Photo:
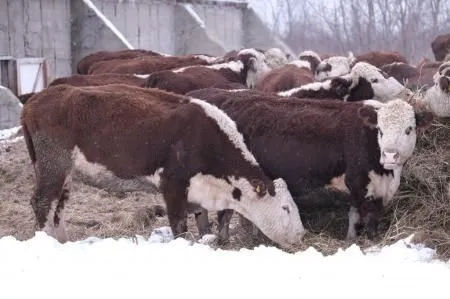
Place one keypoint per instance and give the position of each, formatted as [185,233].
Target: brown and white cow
[293,74]
[364,82]
[441,46]
[148,64]
[190,149]
[355,147]
[411,76]
[437,97]
[312,57]
[341,65]
[248,67]
[87,61]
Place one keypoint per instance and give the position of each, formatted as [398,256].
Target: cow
[275,58]
[441,46]
[437,97]
[148,65]
[191,150]
[364,82]
[86,62]
[354,147]
[413,77]
[248,67]
[293,74]
[312,57]
[341,65]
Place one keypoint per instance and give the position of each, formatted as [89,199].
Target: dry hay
[421,206]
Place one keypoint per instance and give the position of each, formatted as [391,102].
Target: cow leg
[52,166]
[177,206]
[224,218]
[202,221]
[370,212]
[59,219]
[353,223]
[356,183]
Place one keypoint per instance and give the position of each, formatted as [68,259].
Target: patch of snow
[7,133]
[108,23]
[190,9]
[142,76]
[135,268]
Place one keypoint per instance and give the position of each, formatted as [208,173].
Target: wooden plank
[16,28]
[48,36]
[4,29]
[132,24]
[154,28]
[166,31]
[33,28]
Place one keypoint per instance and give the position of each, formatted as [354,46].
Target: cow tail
[29,142]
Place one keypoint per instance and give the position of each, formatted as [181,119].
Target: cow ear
[351,59]
[259,187]
[423,119]
[368,116]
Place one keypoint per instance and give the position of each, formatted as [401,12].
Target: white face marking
[340,65]
[228,126]
[235,66]
[277,217]
[353,218]
[260,66]
[301,64]
[397,132]
[384,89]
[438,101]
[314,86]
[155,178]
[310,53]
[384,186]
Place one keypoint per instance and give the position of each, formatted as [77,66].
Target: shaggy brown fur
[380,58]
[99,80]
[414,77]
[132,132]
[441,46]
[284,78]
[85,63]
[144,65]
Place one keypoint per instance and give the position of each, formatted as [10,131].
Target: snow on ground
[154,268]
[5,134]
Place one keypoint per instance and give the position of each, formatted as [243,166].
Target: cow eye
[408,130]
[374,80]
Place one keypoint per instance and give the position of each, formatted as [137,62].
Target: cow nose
[391,156]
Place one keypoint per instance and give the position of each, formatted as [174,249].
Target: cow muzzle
[390,159]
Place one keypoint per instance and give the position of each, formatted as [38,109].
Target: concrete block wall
[10,109]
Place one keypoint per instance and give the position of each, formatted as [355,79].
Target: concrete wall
[37,28]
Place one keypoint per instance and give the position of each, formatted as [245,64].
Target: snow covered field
[108,268]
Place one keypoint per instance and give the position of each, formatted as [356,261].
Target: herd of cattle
[251,131]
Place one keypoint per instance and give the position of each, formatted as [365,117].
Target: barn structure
[44,39]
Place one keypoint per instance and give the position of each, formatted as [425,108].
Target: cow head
[396,122]
[369,82]
[255,65]
[312,57]
[334,66]
[275,58]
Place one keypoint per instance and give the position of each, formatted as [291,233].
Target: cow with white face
[437,97]
[354,147]
[335,66]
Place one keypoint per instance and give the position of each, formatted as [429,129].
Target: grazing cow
[188,148]
[99,80]
[364,82]
[293,74]
[437,97]
[441,46]
[85,63]
[312,57]
[380,58]
[148,65]
[341,65]
[355,147]
[246,70]
[413,77]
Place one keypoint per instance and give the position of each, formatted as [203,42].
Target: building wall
[37,28]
